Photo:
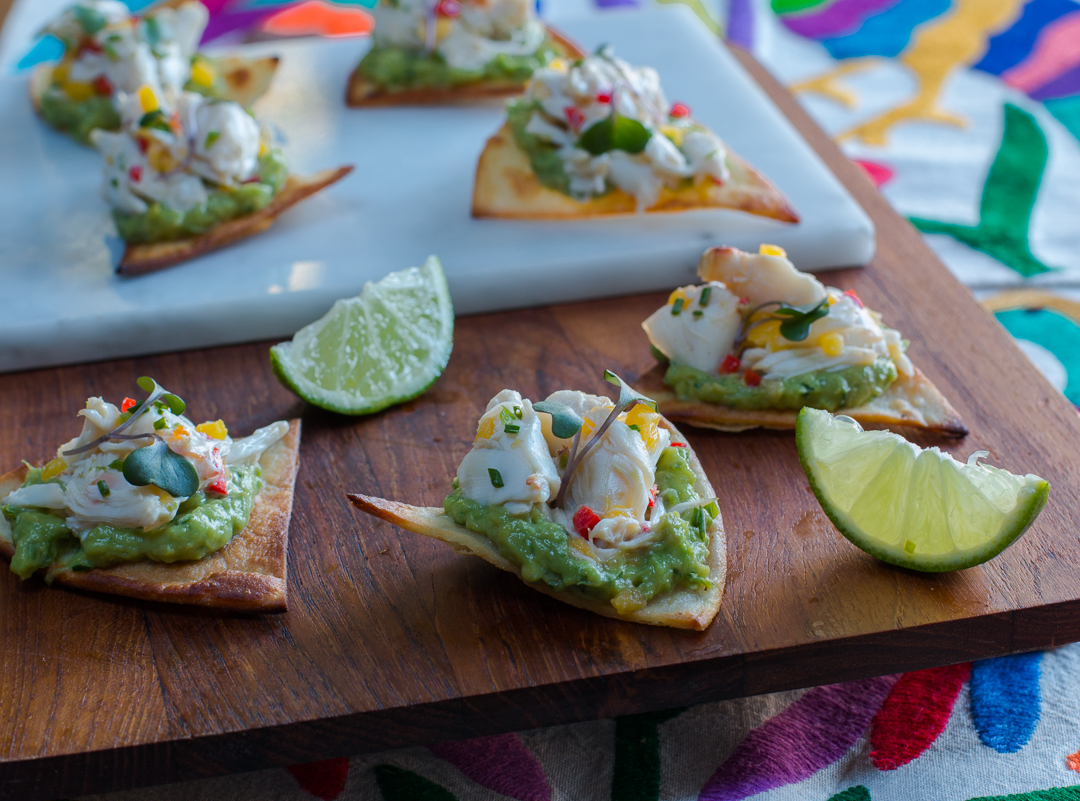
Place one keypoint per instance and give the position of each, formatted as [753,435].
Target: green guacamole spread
[678,555]
[161,223]
[202,525]
[843,389]
[396,69]
[543,154]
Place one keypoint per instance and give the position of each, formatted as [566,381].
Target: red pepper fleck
[219,484]
[678,444]
[730,364]
[652,495]
[716,180]
[127,404]
[752,378]
[743,301]
[679,110]
[448,8]
[135,173]
[574,116]
[585,520]
[102,85]
[143,142]
[851,294]
[89,45]
[603,97]
[254,179]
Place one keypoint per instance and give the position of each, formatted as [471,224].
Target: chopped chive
[160,423]
[211,137]
[518,413]
[635,427]
[511,428]
[103,488]
[677,306]
[117,464]
[703,298]
[698,313]
[496,477]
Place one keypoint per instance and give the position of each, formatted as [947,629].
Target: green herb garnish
[614,132]
[703,298]
[677,306]
[89,19]
[155,119]
[795,320]
[156,464]
[117,464]
[103,488]
[496,478]
[211,137]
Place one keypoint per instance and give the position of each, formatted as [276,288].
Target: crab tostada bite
[147,504]
[602,505]
[431,51]
[188,175]
[597,136]
[760,340]
[108,50]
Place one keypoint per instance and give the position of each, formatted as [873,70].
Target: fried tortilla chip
[912,402]
[146,257]
[361,92]
[678,608]
[507,187]
[247,575]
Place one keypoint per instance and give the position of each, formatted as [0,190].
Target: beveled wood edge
[600,697]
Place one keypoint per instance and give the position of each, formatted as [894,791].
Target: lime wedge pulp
[385,346]
[916,508]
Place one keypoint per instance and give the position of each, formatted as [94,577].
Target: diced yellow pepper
[159,156]
[646,420]
[674,296]
[772,250]
[628,600]
[180,431]
[214,429]
[766,335]
[674,134]
[202,74]
[147,99]
[53,468]
[832,343]
[558,65]
[61,71]
[79,91]
[486,428]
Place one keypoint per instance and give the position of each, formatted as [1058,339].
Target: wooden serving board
[393,640]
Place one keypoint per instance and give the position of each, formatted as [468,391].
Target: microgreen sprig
[566,423]
[795,320]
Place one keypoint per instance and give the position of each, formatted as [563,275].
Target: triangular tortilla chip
[248,574]
[507,187]
[361,92]
[912,402]
[679,608]
[146,257]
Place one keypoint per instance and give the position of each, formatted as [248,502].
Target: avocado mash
[397,69]
[678,554]
[78,117]
[204,524]
[843,389]
[161,223]
[543,154]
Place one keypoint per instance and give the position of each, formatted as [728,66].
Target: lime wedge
[916,508]
[385,346]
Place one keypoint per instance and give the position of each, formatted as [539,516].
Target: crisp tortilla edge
[233,590]
[505,187]
[930,411]
[140,258]
[362,93]
[683,609]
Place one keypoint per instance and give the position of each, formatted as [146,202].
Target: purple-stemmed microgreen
[566,423]
[795,320]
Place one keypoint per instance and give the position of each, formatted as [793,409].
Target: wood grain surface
[393,640]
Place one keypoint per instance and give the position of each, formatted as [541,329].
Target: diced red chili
[678,444]
[574,116]
[679,110]
[219,485]
[752,378]
[851,294]
[585,520]
[89,46]
[102,85]
[744,301]
[730,364]
[603,97]
[448,8]
[144,143]
[135,173]
[652,495]
[127,405]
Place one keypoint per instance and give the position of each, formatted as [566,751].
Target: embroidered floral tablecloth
[966,114]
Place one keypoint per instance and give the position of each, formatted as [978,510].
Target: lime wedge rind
[383,347]
[1030,499]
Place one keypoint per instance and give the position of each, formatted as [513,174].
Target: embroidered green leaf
[156,464]
[565,422]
